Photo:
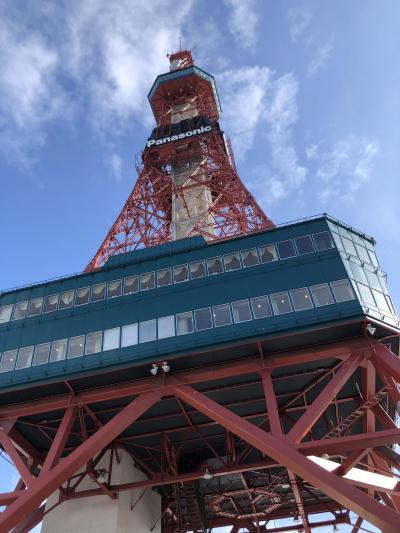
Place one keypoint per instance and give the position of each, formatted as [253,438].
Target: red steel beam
[271,403]
[50,481]
[281,450]
[385,360]
[311,415]
[60,439]
[15,457]
[187,377]
[352,442]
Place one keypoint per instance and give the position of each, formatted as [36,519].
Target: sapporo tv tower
[208,368]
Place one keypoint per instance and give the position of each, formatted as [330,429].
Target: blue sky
[310,98]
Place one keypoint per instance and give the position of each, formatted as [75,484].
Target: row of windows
[168,276]
[179,324]
[356,249]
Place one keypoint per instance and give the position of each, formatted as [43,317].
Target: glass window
[214,266]
[301,299]
[268,253]
[381,301]
[373,279]
[250,257]
[147,331]
[66,299]
[131,285]
[41,355]
[58,350]
[35,307]
[366,294]
[20,310]
[164,277]
[337,239]
[349,246]
[203,319]
[197,269]
[181,273]
[241,311]
[114,288]
[24,358]
[374,259]
[261,307]
[82,296]
[166,326]
[147,281]
[321,295]
[281,303]
[358,272]
[184,323]
[285,249]
[323,240]
[304,245]
[7,360]
[222,315]
[362,253]
[5,313]
[51,303]
[129,335]
[342,290]
[93,342]
[111,339]
[76,346]
[98,292]
[232,262]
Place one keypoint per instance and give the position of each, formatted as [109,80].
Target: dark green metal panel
[263,279]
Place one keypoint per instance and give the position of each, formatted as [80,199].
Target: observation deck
[193,302]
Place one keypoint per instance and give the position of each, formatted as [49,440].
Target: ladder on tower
[193,509]
[343,426]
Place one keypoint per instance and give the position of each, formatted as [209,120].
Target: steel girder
[281,451]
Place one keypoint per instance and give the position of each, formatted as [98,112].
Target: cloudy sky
[310,98]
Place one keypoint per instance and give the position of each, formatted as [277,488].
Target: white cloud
[299,21]
[243,93]
[345,167]
[302,30]
[106,53]
[243,21]
[256,102]
[281,116]
[30,96]
[114,163]
[321,56]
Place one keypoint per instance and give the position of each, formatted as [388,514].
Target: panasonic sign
[182,130]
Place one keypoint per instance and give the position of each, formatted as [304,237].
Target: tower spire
[187,184]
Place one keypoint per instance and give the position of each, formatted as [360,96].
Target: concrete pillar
[193,202]
[100,514]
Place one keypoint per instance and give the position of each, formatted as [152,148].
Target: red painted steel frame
[280,450]
[146,217]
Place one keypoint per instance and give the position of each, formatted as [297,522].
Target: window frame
[271,313]
[183,280]
[227,269]
[314,248]
[250,250]
[288,300]
[48,297]
[211,317]
[233,312]
[75,304]
[222,264]
[289,256]
[309,296]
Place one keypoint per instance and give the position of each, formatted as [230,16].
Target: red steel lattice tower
[188,184]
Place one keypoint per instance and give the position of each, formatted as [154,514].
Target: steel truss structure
[146,218]
[258,445]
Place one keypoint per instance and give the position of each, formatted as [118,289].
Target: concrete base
[100,514]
